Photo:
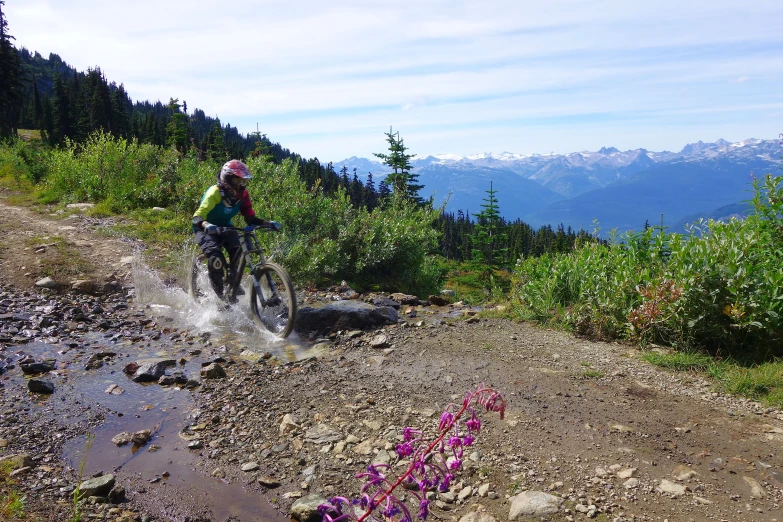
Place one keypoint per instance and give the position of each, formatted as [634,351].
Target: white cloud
[327,79]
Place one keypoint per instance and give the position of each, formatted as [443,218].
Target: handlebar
[248,228]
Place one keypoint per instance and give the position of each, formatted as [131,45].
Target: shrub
[719,287]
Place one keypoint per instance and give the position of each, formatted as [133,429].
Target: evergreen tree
[176,133]
[370,197]
[61,117]
[489,241]
[10,81]
[344,181]
[402,180]
[216,148]
[357,191]
[384,192]
[37,106]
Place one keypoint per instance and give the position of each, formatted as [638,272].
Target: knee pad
[216,263]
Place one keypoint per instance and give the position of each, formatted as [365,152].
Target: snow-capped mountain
[621,189]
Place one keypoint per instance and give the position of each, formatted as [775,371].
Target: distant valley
[618,189]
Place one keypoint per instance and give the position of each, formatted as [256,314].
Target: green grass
[760,381]
[29,134]
[60,259]
[12,505]
[680,361]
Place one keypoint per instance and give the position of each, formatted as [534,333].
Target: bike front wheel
[272,299]
[198,284]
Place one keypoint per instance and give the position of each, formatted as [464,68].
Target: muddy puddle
[165,464]
[192,334]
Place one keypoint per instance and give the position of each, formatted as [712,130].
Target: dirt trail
[589,422]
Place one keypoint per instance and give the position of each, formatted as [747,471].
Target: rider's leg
[231,244]
[216,262]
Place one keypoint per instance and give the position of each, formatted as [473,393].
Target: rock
[213,371]
[250,466]
[438,300]
[683,472]
[405,299]
[80,206]
[379,341]
[631,483]
[322,434]
[383,457]
[478,516]
[533,503]
[17,461]
[306,509]
[466,492]
[140,438]
[344,315]
[626,473]
[150,370]
[385,301]
[250,356]
[37,367]
[46,282]
[96,487]
[483,489]
[667,487]
[363,448]
[86,286]
[756,490]
[39,386]
[121,439]
[117,494]
[268,482]
[287,425]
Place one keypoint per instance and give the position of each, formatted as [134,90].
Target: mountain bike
[272,296]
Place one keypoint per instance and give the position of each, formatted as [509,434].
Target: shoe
[240,290]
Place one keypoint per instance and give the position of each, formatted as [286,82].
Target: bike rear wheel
[275,307]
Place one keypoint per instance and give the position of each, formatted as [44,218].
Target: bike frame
[250,245]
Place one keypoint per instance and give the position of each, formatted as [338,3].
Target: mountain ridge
[620,189]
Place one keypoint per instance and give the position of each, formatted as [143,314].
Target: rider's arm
[246,209]
[211,198]
[255,220]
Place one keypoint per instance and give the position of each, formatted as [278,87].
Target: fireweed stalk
[432,465]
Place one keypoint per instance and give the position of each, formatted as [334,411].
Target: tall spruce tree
[10,81]
[177,129]
[489,241]
[402,180]
[370,196]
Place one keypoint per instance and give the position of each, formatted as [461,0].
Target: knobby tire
[278,319]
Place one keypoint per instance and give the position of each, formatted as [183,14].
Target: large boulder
[344,315]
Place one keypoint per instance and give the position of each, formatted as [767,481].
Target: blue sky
[327,79]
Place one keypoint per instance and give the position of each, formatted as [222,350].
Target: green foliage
[12,505]
[719,288]
[402,180]
[10,81]
[327,239]
[680,361]
[123,173]
[489,239]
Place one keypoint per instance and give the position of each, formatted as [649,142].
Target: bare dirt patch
[616,438]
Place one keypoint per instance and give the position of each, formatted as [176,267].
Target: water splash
[207,314]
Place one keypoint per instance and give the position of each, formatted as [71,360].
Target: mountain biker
[220,203]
